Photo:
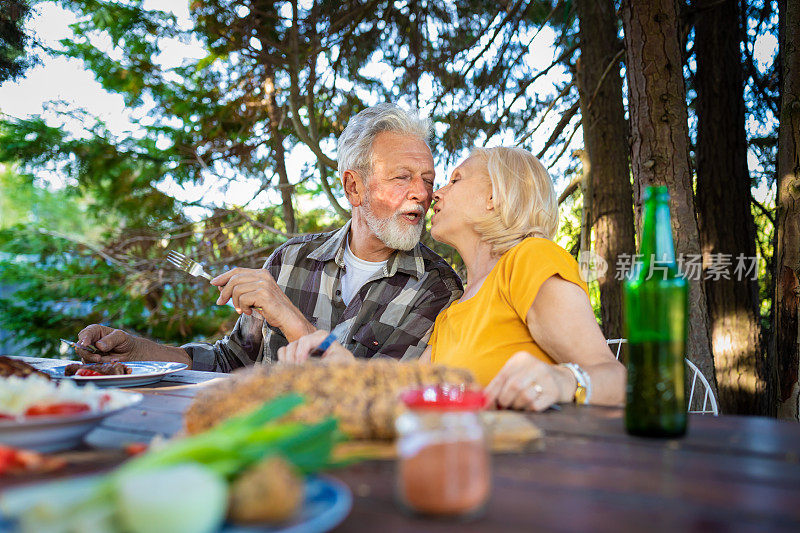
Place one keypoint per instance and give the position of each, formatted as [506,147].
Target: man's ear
[354,188]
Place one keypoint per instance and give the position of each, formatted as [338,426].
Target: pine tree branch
[562,124]
[566,145]
[555,100]
[571,188]
[609,67]
[294,93]
[465,72]
[764,210]
[93,247]
[326,187]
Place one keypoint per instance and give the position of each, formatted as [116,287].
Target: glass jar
[443,465]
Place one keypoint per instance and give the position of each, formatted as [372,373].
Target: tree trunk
[276,142]
[585,239]
[605,136]
[660,143]
[727,231]
[787,250]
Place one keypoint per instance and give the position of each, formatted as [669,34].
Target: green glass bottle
[656,303]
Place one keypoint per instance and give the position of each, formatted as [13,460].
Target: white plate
[142,373]
[53,433]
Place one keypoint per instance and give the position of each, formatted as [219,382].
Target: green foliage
[93,251]
[63,286]
[13,39]
[70,267]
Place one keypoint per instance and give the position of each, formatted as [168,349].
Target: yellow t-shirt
[482,333]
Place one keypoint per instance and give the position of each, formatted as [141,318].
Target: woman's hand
[526,383]
[299,351]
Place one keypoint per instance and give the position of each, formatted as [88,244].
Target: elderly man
[372,282]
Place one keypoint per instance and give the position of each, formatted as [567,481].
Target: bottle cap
[444,398]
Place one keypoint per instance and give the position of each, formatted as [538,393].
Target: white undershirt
[356,273]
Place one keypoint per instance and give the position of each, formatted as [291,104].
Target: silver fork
[186,264]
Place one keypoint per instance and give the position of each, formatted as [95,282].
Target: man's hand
[117,345]
[526,383]
[299,351]
[250,288]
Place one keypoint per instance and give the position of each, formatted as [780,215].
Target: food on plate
[362,396]
[36,396]
[18,461]
[184,485]
[270,492]
[182,498]
[14,367]
[99,369]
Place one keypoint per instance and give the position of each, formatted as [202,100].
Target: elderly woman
[524,325]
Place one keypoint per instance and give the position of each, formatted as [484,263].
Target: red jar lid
[444,398]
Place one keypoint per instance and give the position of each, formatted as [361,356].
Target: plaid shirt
[392,315]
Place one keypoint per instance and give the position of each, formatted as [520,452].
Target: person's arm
[240,348]
[251,288]
[562,323]
[118,345]
[426,355]
[299,351]
[244,345]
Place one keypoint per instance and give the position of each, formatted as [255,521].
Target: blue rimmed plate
[142,373]
[327,502]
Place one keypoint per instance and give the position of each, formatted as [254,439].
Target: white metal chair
[709,402]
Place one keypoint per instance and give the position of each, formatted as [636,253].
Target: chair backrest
[616,346]
[697,382]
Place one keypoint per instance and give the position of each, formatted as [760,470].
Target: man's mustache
[413,209]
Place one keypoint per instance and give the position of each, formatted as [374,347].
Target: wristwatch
[584,390]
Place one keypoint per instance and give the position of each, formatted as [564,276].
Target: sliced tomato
[135,448]
[87,372]
[7,456]
[57,409]
[19,461]
[105,399]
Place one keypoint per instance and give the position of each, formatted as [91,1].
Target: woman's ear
[490,204]
[353,187]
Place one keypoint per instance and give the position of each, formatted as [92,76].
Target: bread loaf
[363,396]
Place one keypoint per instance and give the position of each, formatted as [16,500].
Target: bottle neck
[657,245]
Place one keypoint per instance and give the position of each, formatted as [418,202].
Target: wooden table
[728,473]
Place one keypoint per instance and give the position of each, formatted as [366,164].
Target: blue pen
[324,345]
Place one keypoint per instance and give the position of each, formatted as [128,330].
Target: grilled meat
[15,367]
[106,369]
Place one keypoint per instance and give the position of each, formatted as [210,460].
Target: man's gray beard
[391,231]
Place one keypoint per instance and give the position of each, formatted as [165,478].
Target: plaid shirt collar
[409,262]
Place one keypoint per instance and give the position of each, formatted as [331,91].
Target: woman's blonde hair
[525,203]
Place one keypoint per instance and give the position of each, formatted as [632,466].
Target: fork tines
[178,259]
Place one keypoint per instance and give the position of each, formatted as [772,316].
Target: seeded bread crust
[363,396]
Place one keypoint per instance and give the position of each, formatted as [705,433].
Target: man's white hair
[354,147]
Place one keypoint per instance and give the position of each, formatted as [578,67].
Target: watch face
[580,395]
